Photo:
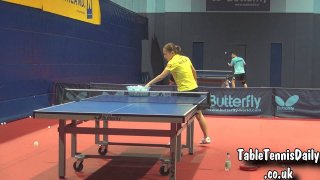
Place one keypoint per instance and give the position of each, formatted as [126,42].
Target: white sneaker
[205,140]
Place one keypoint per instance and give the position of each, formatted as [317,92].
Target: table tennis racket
[246,167]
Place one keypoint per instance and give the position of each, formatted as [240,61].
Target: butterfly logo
[289,103]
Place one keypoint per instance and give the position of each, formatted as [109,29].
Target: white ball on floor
[36,143]
[30,117]
[49,127]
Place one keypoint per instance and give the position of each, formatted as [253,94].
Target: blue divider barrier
[300,103]
[240,102]
[279,102]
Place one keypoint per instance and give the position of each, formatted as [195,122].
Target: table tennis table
[213,77]
[177,109]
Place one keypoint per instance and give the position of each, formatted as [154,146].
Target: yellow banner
[29,3]
[83,10]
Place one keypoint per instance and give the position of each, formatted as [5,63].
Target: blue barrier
[262,102]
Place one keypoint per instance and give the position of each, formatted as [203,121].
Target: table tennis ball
[49,127]
[35,143]
[30,117]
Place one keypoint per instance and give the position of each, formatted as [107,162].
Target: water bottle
[227,164]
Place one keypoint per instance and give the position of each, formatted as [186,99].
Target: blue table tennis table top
[174,106]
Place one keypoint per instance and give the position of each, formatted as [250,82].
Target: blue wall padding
[39,48]
[22,107]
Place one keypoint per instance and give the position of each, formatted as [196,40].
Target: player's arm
[160,77]
[230,64]
[194,72]
[171,80]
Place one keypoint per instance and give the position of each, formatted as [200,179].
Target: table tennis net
[214,73]
[163,97]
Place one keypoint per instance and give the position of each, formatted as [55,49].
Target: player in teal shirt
[238,64]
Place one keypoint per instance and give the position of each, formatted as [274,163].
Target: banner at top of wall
[238,5]
[83,10]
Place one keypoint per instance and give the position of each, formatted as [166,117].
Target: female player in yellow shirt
[185,77]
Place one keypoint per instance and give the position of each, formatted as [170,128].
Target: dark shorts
[240,77]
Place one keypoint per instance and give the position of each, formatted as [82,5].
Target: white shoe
[205,140]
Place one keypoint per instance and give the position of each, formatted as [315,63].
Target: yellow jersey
[181,70]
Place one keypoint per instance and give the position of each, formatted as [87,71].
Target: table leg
[173,151]
[97,136]
[74,140]
[179,147]
[188,138]
[105,137]
[62,148]
[191,136]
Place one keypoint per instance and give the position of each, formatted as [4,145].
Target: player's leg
[233,82]
[244,81]
[203,125]
[227,83]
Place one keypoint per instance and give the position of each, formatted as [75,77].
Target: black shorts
[240,77]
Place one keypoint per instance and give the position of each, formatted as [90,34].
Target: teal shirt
[238,64]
